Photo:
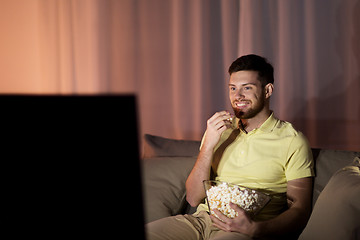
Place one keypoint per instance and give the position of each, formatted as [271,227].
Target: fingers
[241,223]
[241,212]
[220,221]
[223,115]
[236,208]
[216,125]
[220,216]
[218,120]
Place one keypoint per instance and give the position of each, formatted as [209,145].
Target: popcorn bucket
[220,194]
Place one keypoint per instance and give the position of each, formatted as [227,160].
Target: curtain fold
[174,56]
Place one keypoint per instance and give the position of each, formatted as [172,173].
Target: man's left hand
[242,223]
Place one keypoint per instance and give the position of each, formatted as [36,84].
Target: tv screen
[78,163]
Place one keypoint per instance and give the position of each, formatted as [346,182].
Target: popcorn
[219,197]
[228,122]
[230,119]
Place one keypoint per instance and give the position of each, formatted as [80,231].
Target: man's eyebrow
[248,84]
[244,84]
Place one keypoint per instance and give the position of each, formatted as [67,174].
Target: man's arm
[195,192]
[294,219]
[194,189]
[299,193]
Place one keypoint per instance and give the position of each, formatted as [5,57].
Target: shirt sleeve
[299,159]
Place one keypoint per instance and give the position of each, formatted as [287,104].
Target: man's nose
[239,94]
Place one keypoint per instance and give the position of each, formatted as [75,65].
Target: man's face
[246,94]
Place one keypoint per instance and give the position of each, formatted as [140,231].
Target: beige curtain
[174,56]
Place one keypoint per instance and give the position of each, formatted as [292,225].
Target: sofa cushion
[164,185]
[336,214]
[327,163]
[156,146]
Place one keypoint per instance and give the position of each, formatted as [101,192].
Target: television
[76,160]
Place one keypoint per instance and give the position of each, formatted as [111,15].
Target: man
[257,151]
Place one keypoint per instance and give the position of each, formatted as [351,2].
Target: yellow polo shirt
[266,159]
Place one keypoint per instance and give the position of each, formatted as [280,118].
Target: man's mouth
[241,104]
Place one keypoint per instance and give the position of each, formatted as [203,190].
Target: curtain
[174,56]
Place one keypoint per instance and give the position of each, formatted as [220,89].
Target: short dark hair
[256,63]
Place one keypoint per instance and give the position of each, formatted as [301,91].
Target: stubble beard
[253,111]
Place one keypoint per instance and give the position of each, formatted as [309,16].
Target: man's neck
[252,123]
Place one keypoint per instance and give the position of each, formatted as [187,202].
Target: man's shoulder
[292,138]
[289,135]
[286,129]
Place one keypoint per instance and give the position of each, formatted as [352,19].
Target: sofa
[336,194]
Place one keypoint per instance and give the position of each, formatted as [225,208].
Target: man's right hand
[216,125]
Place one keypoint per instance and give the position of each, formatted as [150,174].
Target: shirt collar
[267,126]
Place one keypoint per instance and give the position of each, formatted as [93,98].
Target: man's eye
[247,88]
[232,88]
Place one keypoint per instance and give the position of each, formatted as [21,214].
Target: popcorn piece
[228,122]
[221,195]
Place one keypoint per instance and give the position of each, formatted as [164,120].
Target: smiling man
[255,150]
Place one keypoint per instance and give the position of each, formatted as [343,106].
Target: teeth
[241,104]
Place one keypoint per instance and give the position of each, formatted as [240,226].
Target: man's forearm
[295,218]
[195,192]
[290,221]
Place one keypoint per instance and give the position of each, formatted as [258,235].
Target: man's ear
[269,88]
